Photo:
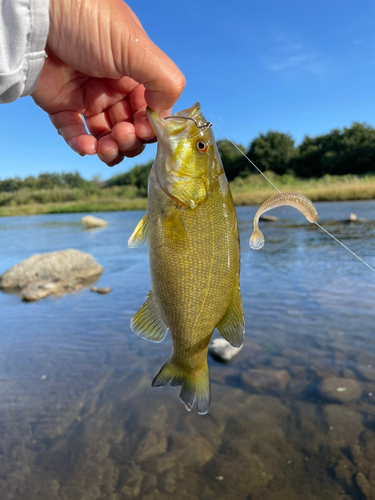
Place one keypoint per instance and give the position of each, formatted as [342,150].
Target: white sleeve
[23,35]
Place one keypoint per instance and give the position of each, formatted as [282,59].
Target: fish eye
[202,146]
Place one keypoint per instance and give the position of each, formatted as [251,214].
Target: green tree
[271,151]
[230,156]
[10,185]
[347,151]
[48,181]
[137,176]
[74,180]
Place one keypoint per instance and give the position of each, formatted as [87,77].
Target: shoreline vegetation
[337,166]
[251,190]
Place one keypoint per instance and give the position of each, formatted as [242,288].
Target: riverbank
[252,190]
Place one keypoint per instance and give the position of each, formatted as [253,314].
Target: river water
[79,419]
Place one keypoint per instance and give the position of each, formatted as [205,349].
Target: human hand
[102,66]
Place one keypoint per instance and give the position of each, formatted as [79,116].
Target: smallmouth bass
[191,229]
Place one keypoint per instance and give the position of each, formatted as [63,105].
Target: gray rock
[91,221]
[50,273]
[339,389]
[223,351]
[268,218]
[265,380]
[353,218]
[40,290]
[102,290]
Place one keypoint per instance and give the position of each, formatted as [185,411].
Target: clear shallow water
[79,419]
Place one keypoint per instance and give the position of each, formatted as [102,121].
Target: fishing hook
[205,126]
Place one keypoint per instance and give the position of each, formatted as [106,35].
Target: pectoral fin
[139,238]
[146,323]
[232,326]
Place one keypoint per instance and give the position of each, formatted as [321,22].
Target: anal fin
[139,238]
[232,326]
[146,323]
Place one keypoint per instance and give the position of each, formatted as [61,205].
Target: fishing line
[321,227]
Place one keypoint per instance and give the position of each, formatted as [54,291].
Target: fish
[194,254]
[289,198]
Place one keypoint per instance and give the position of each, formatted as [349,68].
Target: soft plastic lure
[291,199]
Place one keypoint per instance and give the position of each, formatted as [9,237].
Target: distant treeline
[347,151]
[340,152]
[45,181]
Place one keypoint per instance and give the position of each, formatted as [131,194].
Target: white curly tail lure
[290,199]
[295,200]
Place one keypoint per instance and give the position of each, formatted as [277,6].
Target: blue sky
[301,66]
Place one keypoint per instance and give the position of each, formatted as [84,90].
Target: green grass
[252,190]
[102,205]
[255,189]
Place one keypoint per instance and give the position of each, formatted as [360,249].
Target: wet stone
[367,372]
[50,273]
[371,476]
[366,489]
[265,380]
[344,425]
[92,221]
[279,362]
[268,218]
[155,443]
[339,389]
[101,290]
[345,469]
[223,351]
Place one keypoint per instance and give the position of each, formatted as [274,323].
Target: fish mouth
[157,123]
[165,129]
[193,112]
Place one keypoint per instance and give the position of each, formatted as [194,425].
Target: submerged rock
[223,351]
[265,380]
[40,290]
[366,489]
[339,389]
[50,273]
[91,221]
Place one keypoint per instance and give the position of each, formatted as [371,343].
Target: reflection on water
[79,419]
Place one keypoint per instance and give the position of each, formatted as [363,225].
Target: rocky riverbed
[272,432]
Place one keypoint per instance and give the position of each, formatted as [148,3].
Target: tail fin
[195,385]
